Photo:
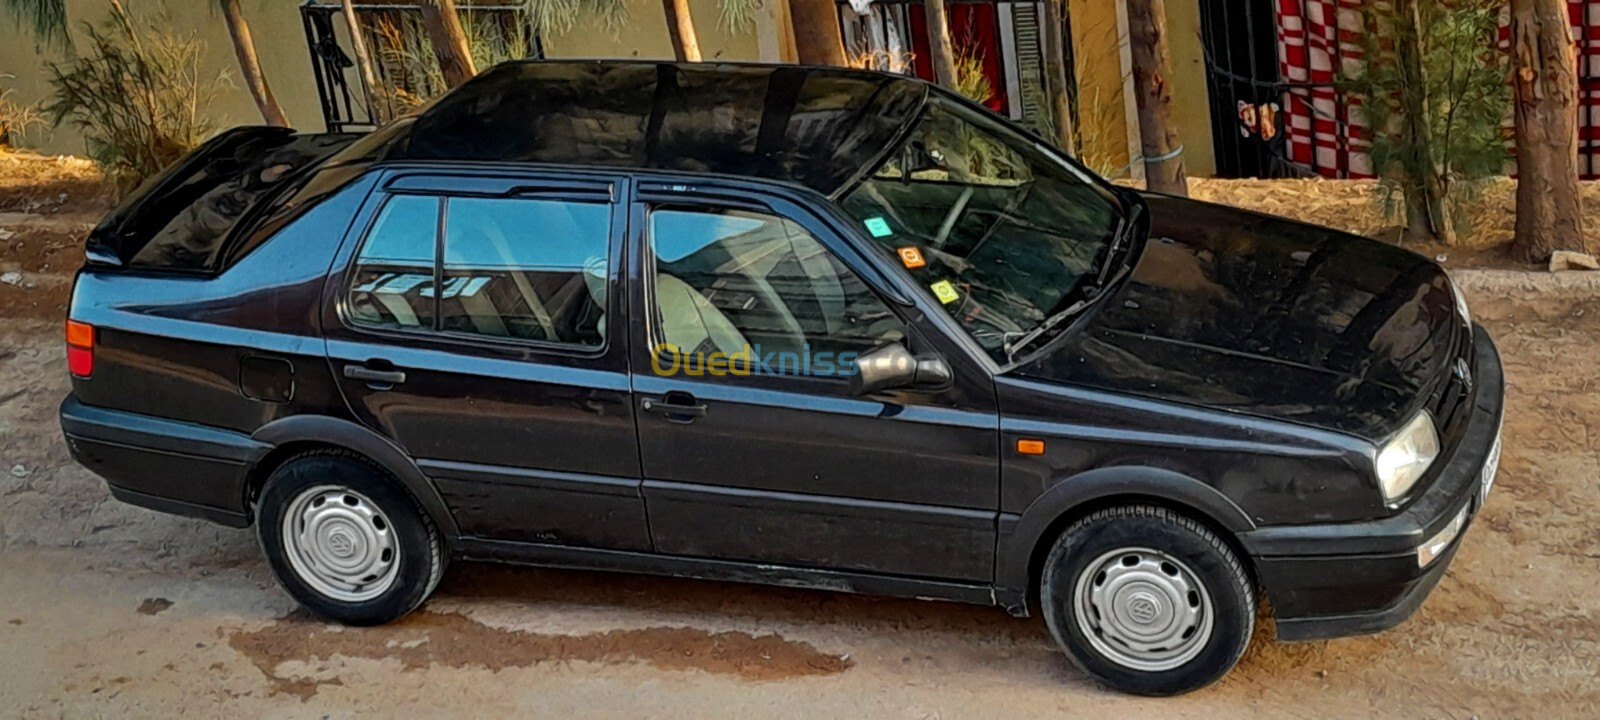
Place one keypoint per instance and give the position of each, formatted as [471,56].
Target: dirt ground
[107,609]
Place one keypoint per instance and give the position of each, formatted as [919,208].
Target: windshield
[1002,232]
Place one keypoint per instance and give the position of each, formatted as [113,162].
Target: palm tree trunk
[817,40]
[1549,208]
[250,65]
[449,41]
[685,45]
[369,73]
[1152,82]
[1055,70]
[939,48]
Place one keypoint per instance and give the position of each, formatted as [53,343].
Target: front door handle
[375,378]
[678,407]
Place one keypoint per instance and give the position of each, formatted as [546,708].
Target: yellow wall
[1097,49]
[1189,92]
[1103,120]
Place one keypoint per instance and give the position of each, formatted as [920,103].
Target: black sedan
[801,326]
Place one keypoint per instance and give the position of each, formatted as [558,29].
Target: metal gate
[1271,67]
[394,38]
[1240,40]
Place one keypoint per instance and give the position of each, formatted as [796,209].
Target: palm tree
[685,44]
[817,39]
[1548,97]
[244,46]
[940,50]
[1055,70]
[449,41]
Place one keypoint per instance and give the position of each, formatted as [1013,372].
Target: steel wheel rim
[1143,609]
[340,543]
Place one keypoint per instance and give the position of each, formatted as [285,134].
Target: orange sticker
[912,257]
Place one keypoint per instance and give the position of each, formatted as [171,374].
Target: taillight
[80,348]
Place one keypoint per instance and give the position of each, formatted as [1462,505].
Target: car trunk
[181,219]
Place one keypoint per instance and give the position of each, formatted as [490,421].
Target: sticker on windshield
[878,226]
[945,292]
[912,257]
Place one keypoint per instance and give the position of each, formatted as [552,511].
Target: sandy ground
[107,609]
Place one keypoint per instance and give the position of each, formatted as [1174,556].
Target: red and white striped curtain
[1314,38]
[1323,134]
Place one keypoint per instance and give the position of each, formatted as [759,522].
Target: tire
[1147,601]
[360,550]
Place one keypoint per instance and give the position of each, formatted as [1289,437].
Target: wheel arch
[1026,543]
[300,434]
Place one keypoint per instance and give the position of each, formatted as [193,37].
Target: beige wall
[645,36]
[280,40]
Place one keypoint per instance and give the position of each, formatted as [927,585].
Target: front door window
[759,288]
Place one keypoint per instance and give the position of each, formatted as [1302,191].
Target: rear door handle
[678,407]
[375,378]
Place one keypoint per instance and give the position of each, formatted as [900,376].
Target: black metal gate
[393,36]
[1241,56]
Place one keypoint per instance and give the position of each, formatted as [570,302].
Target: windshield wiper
[1091,293]
[1091,296]
[1124,229]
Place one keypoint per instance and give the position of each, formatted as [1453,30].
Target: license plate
[1490,466]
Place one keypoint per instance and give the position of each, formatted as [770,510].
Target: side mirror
[893,366]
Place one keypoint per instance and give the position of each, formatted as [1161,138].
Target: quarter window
[516,268]
[393,285]
[733,281]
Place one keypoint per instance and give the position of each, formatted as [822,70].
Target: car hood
[1256,314]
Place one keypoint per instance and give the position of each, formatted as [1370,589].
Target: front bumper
[1356,578]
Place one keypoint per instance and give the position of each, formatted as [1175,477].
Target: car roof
[820,127]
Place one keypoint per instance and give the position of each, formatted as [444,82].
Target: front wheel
[347,540]
[1147,601]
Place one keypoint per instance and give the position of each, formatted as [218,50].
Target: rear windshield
[182,220]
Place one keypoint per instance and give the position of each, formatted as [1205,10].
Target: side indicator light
[1030,447]
[80,348]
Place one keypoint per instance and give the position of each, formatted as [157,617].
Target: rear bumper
[1357,578]
[166,465]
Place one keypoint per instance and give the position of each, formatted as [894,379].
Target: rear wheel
[1147,601]
[346,540]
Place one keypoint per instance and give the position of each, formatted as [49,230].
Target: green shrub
[137,93]
[1433,88]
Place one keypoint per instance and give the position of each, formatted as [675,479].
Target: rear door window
[525,268]
[530,269]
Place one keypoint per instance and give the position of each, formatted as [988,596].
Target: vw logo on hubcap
[1143,609]
[341,544]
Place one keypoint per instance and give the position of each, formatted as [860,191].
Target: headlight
[1461,304]
[1403,460]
